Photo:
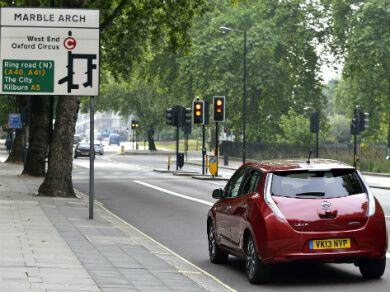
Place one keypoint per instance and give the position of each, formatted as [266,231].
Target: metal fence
[372,157]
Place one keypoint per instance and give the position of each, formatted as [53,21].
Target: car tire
[216,254]
[256,270]
[372,268]
[75,157]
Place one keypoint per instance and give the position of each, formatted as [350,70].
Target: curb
[219,166]
[184,173]
[376,174]
[209,177]
[148,153]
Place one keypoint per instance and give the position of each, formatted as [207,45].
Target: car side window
[233,188]
[251,182]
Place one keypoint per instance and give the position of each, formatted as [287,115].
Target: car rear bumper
[286,244]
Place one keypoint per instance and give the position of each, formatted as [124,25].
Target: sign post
[46,51]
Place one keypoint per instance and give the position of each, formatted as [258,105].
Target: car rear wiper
[314,194]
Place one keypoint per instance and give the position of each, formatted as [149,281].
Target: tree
[129,29]
[359,35]
[282,62]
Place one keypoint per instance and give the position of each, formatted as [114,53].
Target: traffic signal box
[315,122]
[360,121]
[171,116]
[134,124]
[364,121]
[219,108]
[198,112]
[187,120]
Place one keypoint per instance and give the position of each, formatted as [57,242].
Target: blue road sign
[15,121]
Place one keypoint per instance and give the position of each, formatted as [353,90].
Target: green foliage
[360,35]
[295,129]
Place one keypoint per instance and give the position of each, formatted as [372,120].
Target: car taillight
[268,197]
[370,197]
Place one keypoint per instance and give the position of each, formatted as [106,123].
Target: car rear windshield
[322,184]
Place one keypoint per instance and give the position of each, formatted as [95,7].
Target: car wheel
[372,268]
[216,254]
[256,270]
[75,157]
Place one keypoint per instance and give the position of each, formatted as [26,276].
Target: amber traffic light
[219,108]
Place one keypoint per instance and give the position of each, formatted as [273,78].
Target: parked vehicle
[114,139]
[99,149]
[285,210]
[82,149]
[76,139]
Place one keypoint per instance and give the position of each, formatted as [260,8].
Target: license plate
[330,243]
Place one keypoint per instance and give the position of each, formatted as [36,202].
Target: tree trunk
[38,137]
[152,145]
[58,180]
[17,150]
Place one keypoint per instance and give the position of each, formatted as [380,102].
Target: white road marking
[214,183]
[174,193]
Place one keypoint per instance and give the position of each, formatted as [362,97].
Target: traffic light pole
[177,147]
[355,147]
[203,149]
[216,150]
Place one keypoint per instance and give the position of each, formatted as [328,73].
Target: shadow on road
[303,274]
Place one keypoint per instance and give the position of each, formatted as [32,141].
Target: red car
[285,210]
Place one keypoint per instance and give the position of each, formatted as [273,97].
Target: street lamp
[224,30]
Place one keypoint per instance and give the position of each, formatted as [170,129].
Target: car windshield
[317,184]
[84,145]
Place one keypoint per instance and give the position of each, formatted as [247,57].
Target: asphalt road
[173,210]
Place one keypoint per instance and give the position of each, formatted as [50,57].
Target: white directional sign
[49,51]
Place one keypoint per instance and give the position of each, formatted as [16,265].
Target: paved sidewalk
[48,244]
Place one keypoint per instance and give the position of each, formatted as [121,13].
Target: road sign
[49,51]
[15,121]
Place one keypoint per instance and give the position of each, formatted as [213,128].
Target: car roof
[298,164]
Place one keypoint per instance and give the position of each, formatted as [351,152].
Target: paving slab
[49,244]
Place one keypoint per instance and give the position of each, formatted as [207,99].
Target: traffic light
[187,120]
[364,121]
[187,116]
[315,122]
[171,116]
[353,126]
[134,124]
[219,108]
[198,108]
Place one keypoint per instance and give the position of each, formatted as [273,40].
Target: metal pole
[317,146]
[355,145]
[186,146]
[203,149]
[133,139]
[216,150]
[177,147]
[244,105]
[91,156]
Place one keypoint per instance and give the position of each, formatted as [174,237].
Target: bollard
[122,150]
[225,159]
[169,161]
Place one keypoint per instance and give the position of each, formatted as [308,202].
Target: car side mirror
[218,194]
